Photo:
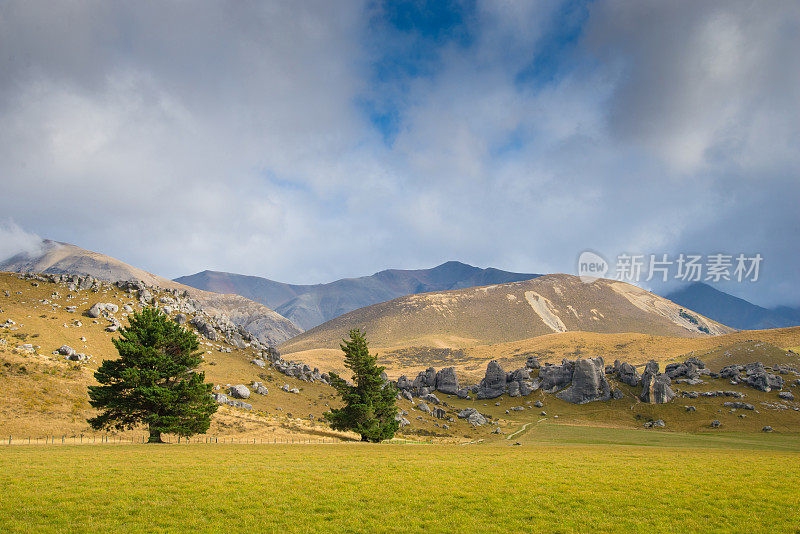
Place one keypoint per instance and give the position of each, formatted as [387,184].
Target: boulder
[425,381]
[715,423]
[433,399]
[494,382]
[588,382]
[221,398]
[626,373]
[446,381]
[463,393]
[404,383]
[66,350]
[525,388]
[786,395]
[616,393]
[239,392]
[424,408]
[767,429]
[261,390]
[439,413]
[519,375]
[696,361]
[764,381]
[532,363]
[513,389]
[556,377]
[472,416]
[739,405]
[655,386]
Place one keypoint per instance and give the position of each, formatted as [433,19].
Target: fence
[106,439]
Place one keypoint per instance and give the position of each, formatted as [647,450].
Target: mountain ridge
[311,305]
[731,310]
[511,311]
[54,257]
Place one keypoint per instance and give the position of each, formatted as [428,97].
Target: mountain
[733,311]
[308,306]
[508,312]
[63,258]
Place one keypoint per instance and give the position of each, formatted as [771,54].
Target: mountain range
[308,306]
[733,311]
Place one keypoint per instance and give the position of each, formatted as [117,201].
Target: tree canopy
[369,405]
[154,382]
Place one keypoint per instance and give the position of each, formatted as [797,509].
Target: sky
[310,141]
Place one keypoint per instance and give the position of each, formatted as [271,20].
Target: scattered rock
[424,408]
[472,416]
[767,429]
[739,405]
[66,350]
[715,423]
[239,392]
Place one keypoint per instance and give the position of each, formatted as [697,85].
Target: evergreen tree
[369,408]
[154,381]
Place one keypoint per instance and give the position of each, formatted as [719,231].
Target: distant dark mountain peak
[730,310]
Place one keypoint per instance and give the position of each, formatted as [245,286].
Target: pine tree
[369,408]
[154,381]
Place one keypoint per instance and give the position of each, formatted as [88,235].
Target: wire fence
[110,439]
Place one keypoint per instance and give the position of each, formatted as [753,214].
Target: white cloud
[229,136]
[14,240]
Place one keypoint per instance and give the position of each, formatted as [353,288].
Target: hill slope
[732,311]
[508,312]
[311,305]
[62,258]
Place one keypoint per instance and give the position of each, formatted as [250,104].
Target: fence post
[9,440]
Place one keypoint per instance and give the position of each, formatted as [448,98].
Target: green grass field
[555,481]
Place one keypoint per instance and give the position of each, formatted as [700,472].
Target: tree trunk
[155,436]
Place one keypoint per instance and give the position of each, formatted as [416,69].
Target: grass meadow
[554,481]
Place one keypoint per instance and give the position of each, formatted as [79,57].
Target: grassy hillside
[509,312]
[566,487]
[62,258]
[45,395]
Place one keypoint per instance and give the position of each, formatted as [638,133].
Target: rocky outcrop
[446,381]
[533,363]
[556,377]
[588,382]
[494,382]
[754,375]
[626,373]
[655,386]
